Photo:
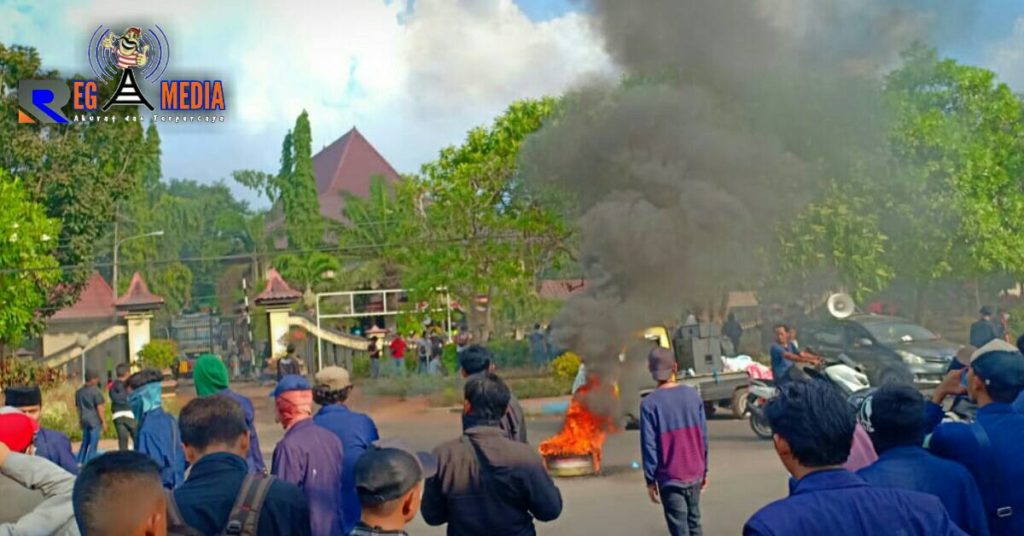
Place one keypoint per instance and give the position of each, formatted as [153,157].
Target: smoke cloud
[732,115]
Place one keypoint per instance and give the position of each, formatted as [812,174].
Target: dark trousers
[682,509]
[125,427]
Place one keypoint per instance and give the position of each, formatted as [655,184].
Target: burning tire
[570,466]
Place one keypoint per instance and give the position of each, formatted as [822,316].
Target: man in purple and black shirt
[674,442]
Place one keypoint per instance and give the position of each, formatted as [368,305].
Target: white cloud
[1007,57]
[411,81]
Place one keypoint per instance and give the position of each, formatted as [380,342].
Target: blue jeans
[682,509]
[90,442]
[397,366]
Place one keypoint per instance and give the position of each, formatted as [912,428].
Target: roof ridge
[375,151]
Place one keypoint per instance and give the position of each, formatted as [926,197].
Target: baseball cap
[1000,368]
[661,363]
[291,382]
[388,470]
[17,430]
[334,378]
[995,345]
[986,311]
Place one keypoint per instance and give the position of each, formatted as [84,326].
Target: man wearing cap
[989,447]
[332,387]
[211,378]
[158,435]
[308,456]
[485,482]
[893,415]
[984,330]
[49,444]
[389,482]
[36,493]
[674,445]
[289,364]
[476,359]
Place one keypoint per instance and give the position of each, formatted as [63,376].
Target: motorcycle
[842,373]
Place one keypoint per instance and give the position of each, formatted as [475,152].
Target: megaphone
[840,305]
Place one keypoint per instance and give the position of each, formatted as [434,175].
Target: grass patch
[447,391]
[59,412]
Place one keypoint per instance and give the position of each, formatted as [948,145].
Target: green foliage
[565,367]
[15,371]
[450,358]
[509,354]
[836,235]
[958,136]
[307,271]
[159,353]
[27,241]
[526,388]
[78,174]
[299,200]
[482,231]
[378,229]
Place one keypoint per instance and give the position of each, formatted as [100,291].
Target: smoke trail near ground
[731,116]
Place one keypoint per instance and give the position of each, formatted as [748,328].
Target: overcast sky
[412,75]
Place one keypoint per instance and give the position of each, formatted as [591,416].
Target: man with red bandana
[308,456]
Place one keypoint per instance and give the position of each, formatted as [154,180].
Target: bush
[565,367]
[510,353]
[450,358]
[525,388]
[408,386]
[15,371]
[361,367]
[159,354]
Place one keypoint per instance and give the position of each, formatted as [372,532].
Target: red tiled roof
[560,289]
[95,301]
[138,297]
[277,291]
[347,166]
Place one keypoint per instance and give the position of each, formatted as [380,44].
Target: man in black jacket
[475,360]
[216,441]
[121,411]
[485,482]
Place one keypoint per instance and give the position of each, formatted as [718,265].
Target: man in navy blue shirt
[813,428]
[49,444]
[216,439]
[332,387]
[990,447]
[894,417]
[785,356]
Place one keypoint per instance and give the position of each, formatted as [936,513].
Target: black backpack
[244,518]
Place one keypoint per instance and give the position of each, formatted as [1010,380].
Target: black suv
[891,349]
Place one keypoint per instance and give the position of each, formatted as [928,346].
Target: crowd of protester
[203,473]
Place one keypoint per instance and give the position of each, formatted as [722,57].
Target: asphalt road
[745,473]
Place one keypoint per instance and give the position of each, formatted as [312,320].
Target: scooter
[842,373]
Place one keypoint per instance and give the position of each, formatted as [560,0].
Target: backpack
[244,518]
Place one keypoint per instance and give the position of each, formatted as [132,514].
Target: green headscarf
[210,375]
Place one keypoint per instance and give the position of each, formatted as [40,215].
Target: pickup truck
[716,387]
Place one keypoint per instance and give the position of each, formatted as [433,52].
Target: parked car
[889,348]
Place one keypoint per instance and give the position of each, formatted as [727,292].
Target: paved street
[745,474]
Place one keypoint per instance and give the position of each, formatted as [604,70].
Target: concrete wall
[61,335]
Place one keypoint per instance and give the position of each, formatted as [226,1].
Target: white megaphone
[840,305]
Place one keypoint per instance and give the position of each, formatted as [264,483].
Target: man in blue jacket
[211,378]
[216,438]
[49,444]
[158,435]
[894,417]
[990,447]
[813,428]
[332,387]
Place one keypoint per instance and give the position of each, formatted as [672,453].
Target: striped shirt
[126,61]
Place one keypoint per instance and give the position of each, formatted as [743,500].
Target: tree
[310,270]
[955,207]
[303,222]
[29,272]
[377,231]
[77,174]
[485,235]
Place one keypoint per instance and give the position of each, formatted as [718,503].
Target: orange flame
[583,432]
